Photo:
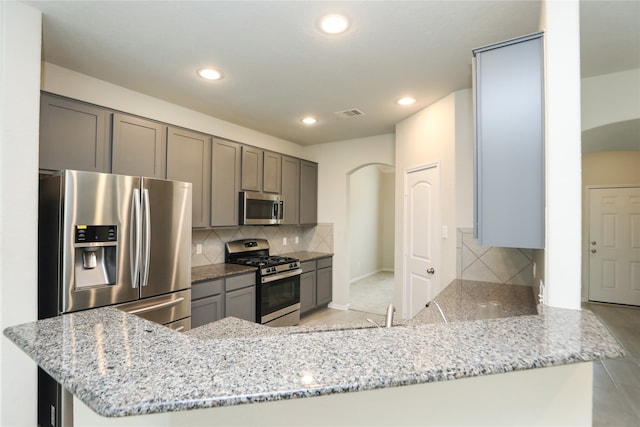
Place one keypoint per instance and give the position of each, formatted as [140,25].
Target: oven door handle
[282,275]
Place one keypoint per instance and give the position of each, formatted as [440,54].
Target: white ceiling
[278,67]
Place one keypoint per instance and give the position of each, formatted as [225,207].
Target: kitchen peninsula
[528,369]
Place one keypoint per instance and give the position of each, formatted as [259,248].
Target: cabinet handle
[431,270]
[593,251]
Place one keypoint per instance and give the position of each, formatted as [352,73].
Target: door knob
[593,251]
[430,270]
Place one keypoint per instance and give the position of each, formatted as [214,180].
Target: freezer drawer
[163,309]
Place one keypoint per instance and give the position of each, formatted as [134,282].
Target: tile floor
[616,382]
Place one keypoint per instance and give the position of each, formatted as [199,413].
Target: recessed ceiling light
[406,100]
[334,24]
[209,73]
[309,121]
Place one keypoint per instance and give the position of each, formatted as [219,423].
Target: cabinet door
[207,310]
[139,147]
[225,183]
[324,285]
[189,160]
[73,135]
[307,291]
[509,150]
[241,303]
[251,168]
[308,193]
[291,189]
[272,172]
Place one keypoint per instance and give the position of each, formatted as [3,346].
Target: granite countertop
[119,364]
[217,271]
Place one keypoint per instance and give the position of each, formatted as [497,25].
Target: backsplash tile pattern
[318,238]
[492,264]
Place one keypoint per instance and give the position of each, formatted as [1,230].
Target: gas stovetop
[255,253]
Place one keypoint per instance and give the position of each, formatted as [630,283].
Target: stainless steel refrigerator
[111,240]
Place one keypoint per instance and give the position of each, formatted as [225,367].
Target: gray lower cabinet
[225,182]
[231,296]
[308,286]
[139,147]
[316,283]
[73,135]
[189,160]
[509,144]
[291,189]
[308,193]
[207,302]
[324,281]
[240,297]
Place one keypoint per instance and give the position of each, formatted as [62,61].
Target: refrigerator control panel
[96,233]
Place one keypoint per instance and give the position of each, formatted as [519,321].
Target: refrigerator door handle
[136,237]
[146,209]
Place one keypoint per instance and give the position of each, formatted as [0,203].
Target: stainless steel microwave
[260,208]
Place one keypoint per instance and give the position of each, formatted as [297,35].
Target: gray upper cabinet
[251,168]
[225,182]
[189,160]
[509,143]
[291,189]
[308,193]
[139,147]
[271,172]
[261,170]
[73,135]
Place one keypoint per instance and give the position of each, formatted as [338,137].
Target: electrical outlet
[297,240]
[534,270]
[284,241]
[199,249]
[541,293]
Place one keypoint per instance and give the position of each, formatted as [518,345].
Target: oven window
[279,294]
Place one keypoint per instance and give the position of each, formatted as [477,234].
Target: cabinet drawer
[308,266]
[325,262]
[206,289]
[239,282]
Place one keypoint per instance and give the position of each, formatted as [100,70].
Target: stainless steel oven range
[277,278]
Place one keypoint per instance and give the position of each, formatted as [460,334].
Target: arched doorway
[371,220]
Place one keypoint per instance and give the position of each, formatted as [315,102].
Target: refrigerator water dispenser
[95,255]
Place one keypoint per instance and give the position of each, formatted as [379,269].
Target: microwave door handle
[136,237]
[281,203]
[274,214]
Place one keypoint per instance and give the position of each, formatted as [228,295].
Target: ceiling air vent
[347,114]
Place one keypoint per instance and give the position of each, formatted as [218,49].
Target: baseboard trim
[339,306]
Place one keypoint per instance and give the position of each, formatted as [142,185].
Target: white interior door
[422,242]
[614,245]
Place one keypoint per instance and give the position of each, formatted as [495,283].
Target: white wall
[365,222]
[428,137]
[561,22]
[464,158]
[610,98]
[387,208]
[336,161]
[20,35]
[371,227]
[62,81]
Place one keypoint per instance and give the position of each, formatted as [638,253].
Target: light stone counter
[119,364]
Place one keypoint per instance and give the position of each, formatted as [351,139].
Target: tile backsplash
[511,266]
[318,238]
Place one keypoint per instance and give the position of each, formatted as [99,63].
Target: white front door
[422,240]
[614,245]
